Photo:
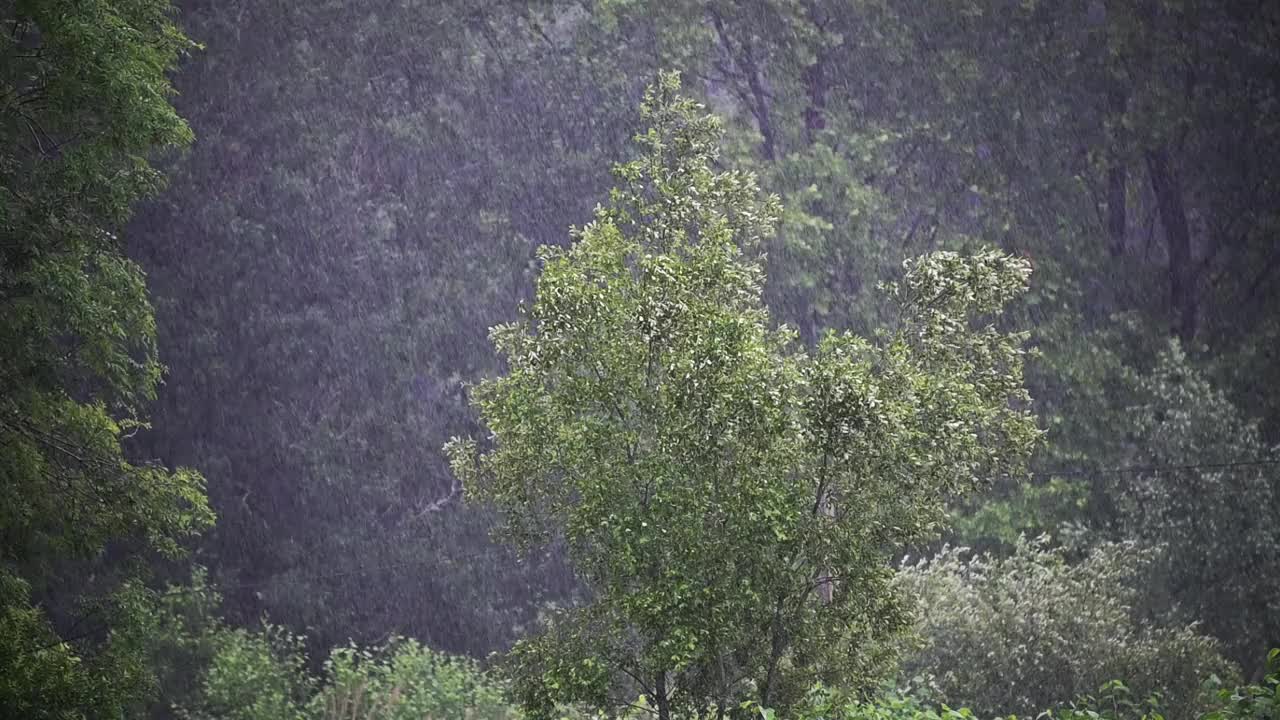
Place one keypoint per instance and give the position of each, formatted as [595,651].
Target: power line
[422,562]
[1126,469]
[1070,472]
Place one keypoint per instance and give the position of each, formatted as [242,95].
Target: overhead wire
[1125,469]
[1067,472]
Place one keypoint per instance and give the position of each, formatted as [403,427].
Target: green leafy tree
[84,103]
[730,500]
[1215,506]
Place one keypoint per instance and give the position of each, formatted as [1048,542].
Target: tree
[84,102]
[730,501]
[1213,500]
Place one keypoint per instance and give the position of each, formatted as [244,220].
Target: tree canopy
[730,500]
[85,99]
[272,260]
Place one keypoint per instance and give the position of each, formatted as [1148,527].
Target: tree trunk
[777,645]
[756,82]
[756,98]
[1117,172]
[1117,183]
[1173,218]
[662,700]
[815,81]
[826,584]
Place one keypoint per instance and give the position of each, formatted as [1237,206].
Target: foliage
[405,681]
[1220,521]
[38,672]
[183,629]
[1168,459]
[253,676]
[210,669]
[1020,633]
[1113,700]
[84,102]
[374,179]
[82,112]
[351,223]
[371,184]
[1251,702]
[263,675]
[887,703]
[711,482]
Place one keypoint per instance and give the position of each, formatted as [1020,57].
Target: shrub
[1022,633]
[406,681]
[263,676]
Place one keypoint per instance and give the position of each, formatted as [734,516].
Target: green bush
[405,681]
[253,676]
[890,704]
[263,676]
[1113,700]
[1019,634]
[1251,702]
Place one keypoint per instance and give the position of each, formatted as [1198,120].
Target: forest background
[363,199]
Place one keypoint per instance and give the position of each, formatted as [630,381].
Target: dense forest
[840,359]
